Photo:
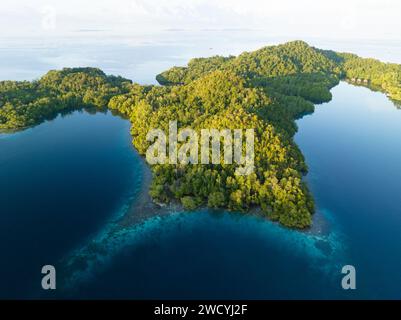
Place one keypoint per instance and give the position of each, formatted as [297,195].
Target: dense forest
[26,103]
[386,76]
[267,90]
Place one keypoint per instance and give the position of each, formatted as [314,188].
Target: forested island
[267,90]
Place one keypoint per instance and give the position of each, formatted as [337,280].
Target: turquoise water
[352,147]
[211,255]
[65,183]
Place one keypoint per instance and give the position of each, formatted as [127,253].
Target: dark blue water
[59,183]
[213,255]
[63,181]
[353,149]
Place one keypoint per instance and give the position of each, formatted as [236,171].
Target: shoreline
[143,207]
[143,214]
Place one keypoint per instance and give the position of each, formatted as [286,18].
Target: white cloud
[308,18]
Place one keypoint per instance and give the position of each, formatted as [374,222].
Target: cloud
[342,18]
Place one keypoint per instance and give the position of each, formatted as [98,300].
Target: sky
[340,19]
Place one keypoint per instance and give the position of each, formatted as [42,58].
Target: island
[267,90]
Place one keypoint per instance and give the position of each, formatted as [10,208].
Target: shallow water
[65,182]
[59,183]
[351,145]
[214,255]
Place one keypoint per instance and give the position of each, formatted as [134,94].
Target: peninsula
[266,90]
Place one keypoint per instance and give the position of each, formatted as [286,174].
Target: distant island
[267,89]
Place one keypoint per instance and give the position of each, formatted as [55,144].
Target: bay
[64,183]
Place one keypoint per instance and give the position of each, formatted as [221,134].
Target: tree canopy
[265,90]
[26,103]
